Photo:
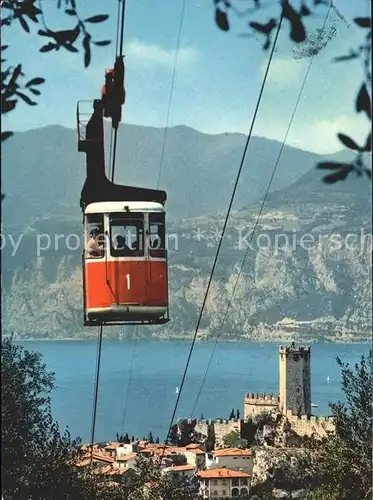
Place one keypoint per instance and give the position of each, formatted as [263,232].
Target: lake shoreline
[138,380]
[203,340]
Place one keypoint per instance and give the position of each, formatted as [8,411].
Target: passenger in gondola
[121,246]
[95,247]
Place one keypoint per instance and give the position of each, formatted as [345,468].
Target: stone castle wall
[220,427]
[294,399]
[306,426]
[295,379]
[255,404]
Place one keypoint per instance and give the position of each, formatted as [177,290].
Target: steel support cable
[129,378]
[110,153]
[115,54]
[171,91]
[114,154]
[97,378]
[120,43]
[256,222]
[223,232]
[118,25]
[112,150]
[122,27]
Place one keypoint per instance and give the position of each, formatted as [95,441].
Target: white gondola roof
[123,206]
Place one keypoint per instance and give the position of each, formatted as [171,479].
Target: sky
[218,74]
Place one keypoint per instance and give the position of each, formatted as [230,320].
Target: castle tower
[295,380]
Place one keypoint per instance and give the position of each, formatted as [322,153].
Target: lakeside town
[224,458]
[220,473]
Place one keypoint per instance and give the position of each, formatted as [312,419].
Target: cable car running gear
[113,92]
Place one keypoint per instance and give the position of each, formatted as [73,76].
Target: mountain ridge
[198,170]
[282,293]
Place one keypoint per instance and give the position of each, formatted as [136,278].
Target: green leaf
[368,144]
[103,42]
[15,75]
[331,165]
[4,137]
[304,11]
[221,19]
[87,51]
[45,33]
[24,24]
[70,12]
[348,142]
[66,36]
[337,176]
[348,57]
[26,99]
[30,10]
[47,48]
[70,47]
[97,19]
[297,32]
[363,101]
[8,105]
[363,22]
[35,81]
[35,91]
[266,28]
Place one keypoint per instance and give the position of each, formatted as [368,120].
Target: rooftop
[123,457]
[232,452]
[179,468]
[221,473]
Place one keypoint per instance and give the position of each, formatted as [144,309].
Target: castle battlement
[295,350]
[201,422]
[261,398]
[313,419]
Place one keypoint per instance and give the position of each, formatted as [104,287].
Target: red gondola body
[125,282]
[125,260]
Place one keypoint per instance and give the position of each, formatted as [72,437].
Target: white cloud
[317,135]
[154,54]
[320,135]
[284,71]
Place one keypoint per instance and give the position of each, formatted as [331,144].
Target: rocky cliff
[306,276]
[276,471]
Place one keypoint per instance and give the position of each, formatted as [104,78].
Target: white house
[195,456]
[230,458]
[126,461]
[220,483]
[125,449]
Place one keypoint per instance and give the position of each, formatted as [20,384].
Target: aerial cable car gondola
[125,277]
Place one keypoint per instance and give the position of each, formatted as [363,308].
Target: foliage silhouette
[341,465]
[298,34]
[39,462]
[24,12]
[233,440]
[179,459]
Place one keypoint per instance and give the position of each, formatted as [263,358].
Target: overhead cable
[257,221]
[223,232]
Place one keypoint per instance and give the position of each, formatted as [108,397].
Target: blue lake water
[157,368]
